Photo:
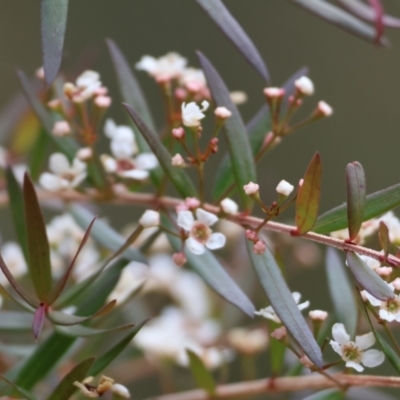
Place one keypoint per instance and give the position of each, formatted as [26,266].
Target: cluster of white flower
[126,162]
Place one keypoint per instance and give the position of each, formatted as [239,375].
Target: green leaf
[328,394]
[37,155]
[38,245]
[224,20]
[282,301]
[201,374]
[103,361]
[66,144]
[60,318]
[384,239]
[356,197]
[84,331]
[257,127]
[16,203]
[341,291]
[66,388]
[342,19]
[213,273]
[241,156]
[277,355]
[104,234]
[368,278]
[53,24]
[177,176]
[14,321]
[19,390]
[307,202]
[377,203]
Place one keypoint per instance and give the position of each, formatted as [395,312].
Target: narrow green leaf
[132,94]
[341,18]
[213,273]
[53,24]
[258,127]
[177,176]
[108,357]
[60,318]
[38,245]
[224,20]
[377,203]
[241,156]
[341,291]
[66,388]
[282,301]
[66,144]
[356,197]
[328,394]
[307,202]
[17,211]
[14,321]
[84,331]
[368,278]
[201,374]
[384,239]
[21,391]
[277,356]
[37,155]
[104,234]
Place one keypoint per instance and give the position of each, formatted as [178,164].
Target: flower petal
[78,166]
[304,305]
[50,182]
[58,163]
[386,315]
[185,220]
[206,217]
[121,149]
[356,366]
[269,313]
[336,347]
[146,161]
[78,179]
[296,297]
[137,174]
[374,301]
[339,334]
[365,341]
[216,241]
[372,358]
[194,246]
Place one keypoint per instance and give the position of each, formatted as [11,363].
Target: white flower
[251,188]
[192,113]
[15,261]
[120,390]
[353,352]
[222,113]
[150,218]
[270,313]
[177,160]
[318,315]
[284,188]
[324,109]
[61,128]
[124,138]
[85,87]
[200,234]
[389,309]
[304,85]
[64,174]
[167,67]
[229,206]
[194,81]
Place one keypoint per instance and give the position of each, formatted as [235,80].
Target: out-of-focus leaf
[201,374]
[367,13]
[37,154]
[21,391]
[104,234]
[14,321]
[377,203]
[384,238]
[18,350]
[66,144]
[60,318]
[224,20]
[258,127]
[132,94]
[38,245]
[277,356]
[341,291]
[38,320]
[282,301]
[108,357]
[53,23]
[368,278]
[328,394]
[241,156]
[356,197]
[59,287]
[307,202]
[16,203]
[341,18]
[177,176]
[378,20]
[214,274]
[66,388]
[84,331]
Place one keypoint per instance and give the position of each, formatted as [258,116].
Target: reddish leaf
[379,14]
[356,197]
[38,320]
[307,203]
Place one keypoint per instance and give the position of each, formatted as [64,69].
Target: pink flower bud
[306,362]
[251,188]
[179,259]
[384,271]
[178,133]
[259,247]
[40,73]
[103,101]
[305,86]
[61,128]
[192,203]
[85,153]
[251,235]
[222,113]
[279,333]
[101,91]
[177,160]
[55,104]
[180,94]
[274,92]
[396,283]
[318,315]
[324,109]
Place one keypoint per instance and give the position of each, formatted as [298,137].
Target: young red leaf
[356,197]
[384,238]
[307,203]
[378,19]
[38,320]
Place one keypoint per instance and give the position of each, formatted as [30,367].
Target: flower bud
[259,247]
[279,333]
[238,97]
[85,153]
[222,113]
[324,109]
[213,145]
[384,271]
[274,92]
[228,206]
[55,105]
[284,188]
[318,315]
[40,73]
[103,101]
[304,86]
[251,188]
[61,128]
[192,203]
[177,160]
[149,219]
[306,362]
[120,390]
[179,259]
[178,133]
[251,235]
[396,283]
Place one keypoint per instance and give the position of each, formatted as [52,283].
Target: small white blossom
[15,261]
[251,188]
[64,174]
[354,352]
[270,313]
[200,233]
[389,310]
[305,86]
[229,206]
[222,113]
[192,113]
[194,81]
[85,87]
[61,128]
[150,218]
[284,188]
[318,315]
[324,109]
